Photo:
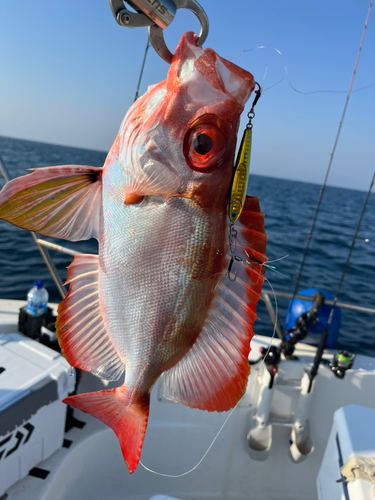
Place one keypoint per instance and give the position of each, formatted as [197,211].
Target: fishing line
[231,411]
[276,313]
[263,264]
[204,456]
[288,78]
[264,79]
[277,260]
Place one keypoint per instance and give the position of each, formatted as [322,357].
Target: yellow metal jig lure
[242,167]
[240,178]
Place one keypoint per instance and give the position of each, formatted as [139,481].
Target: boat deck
[90,464]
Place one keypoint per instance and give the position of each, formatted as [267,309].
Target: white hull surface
[177,437]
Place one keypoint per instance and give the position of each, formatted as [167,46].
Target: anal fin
[80,326]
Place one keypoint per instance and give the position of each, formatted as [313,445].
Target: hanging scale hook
[157,15]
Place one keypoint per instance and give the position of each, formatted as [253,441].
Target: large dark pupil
[203,144]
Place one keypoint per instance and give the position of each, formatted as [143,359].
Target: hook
[230,270]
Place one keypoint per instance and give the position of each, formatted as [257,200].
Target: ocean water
[288,207]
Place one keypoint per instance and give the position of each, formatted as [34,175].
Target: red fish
[157,301]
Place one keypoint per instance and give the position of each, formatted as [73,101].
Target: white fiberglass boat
[272,446]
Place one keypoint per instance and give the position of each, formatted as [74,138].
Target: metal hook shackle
[155,33]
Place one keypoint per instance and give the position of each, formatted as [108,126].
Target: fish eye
[205,146]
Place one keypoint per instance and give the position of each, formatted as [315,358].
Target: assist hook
[157,15]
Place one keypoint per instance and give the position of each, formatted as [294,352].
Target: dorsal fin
[214,373]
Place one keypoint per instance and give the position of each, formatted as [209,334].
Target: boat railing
[267,294]
[57,248]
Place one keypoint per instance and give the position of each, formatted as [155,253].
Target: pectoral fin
[62,202]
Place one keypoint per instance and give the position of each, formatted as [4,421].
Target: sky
[68,74]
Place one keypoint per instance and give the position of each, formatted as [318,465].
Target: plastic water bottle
[37,299]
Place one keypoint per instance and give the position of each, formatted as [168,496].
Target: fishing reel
[272,356]
[301,327]
[342,361]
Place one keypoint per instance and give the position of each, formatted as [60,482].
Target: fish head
[179,138]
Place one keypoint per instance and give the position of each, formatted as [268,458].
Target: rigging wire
[329,164]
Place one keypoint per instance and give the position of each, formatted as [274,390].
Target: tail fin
[127,419]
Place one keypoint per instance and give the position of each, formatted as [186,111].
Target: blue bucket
[315,329]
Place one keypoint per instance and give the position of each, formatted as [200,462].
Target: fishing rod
[323,338]
[329,164]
